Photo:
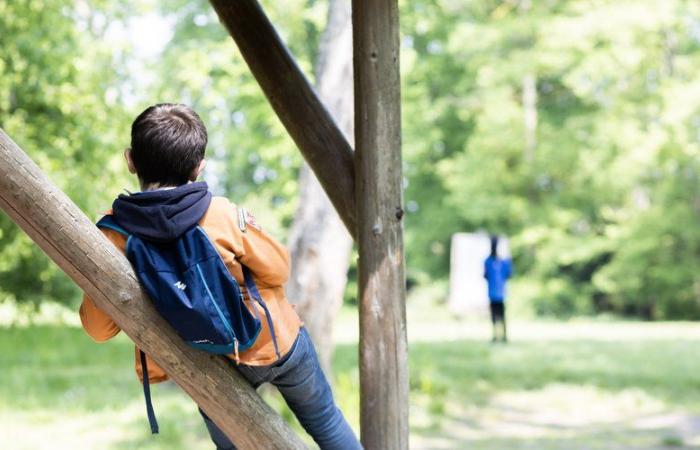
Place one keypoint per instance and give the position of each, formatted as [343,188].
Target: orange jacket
[266,258]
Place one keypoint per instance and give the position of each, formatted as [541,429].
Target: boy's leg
[304,387]
[503,321]
[255,376]
[493,307]
[217,436]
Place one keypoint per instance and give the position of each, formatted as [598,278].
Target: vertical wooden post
[383,354]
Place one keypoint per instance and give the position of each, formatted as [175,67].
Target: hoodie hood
[162,215]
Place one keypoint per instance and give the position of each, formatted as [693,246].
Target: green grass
[561,386]
[460,383]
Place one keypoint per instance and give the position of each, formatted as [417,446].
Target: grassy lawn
[577,385]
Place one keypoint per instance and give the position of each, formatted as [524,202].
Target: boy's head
[167,145]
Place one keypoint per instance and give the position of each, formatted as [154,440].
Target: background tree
[253,160]
[604,80]
[319,242]
[602,215]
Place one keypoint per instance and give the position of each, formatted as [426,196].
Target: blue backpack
[196,294]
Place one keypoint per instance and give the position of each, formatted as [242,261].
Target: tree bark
[71,240]
[301,112]
[383,353]
[530,115]
[529,100]
[319,243]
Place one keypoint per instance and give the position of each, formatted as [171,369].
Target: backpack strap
[147,393]
[255,294]
[109,222]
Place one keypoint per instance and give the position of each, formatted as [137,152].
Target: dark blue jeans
[300,380]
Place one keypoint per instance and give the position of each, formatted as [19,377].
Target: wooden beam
[382,286]
[306,119]
[53,221]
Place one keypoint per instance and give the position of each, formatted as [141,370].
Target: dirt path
[565,417]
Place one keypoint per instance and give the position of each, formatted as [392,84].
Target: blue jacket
[497,271]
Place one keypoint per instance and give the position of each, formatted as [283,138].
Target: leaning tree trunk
[294,101]
[319,242]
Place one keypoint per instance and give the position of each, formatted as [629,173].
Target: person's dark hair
[167,144]
[494,246]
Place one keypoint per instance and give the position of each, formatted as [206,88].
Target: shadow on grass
[181,427]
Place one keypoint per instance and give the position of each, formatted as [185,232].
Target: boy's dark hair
[167,144]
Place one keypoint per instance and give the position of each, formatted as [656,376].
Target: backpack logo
[180,285]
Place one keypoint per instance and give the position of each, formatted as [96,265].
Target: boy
[168,142]
[497,271]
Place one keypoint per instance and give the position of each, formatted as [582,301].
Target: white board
[468,289]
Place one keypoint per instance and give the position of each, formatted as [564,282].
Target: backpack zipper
[218,310]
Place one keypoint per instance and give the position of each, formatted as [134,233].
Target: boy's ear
[129,161]
[199,169]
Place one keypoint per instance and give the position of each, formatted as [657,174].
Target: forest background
[573,127]
[570,126]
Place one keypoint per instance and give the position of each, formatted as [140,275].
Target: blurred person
[497,271]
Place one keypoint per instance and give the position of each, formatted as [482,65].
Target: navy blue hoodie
[162,215]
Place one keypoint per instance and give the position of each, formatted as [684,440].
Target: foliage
[56,382]
[59,99]
[603,215]
[251,158]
